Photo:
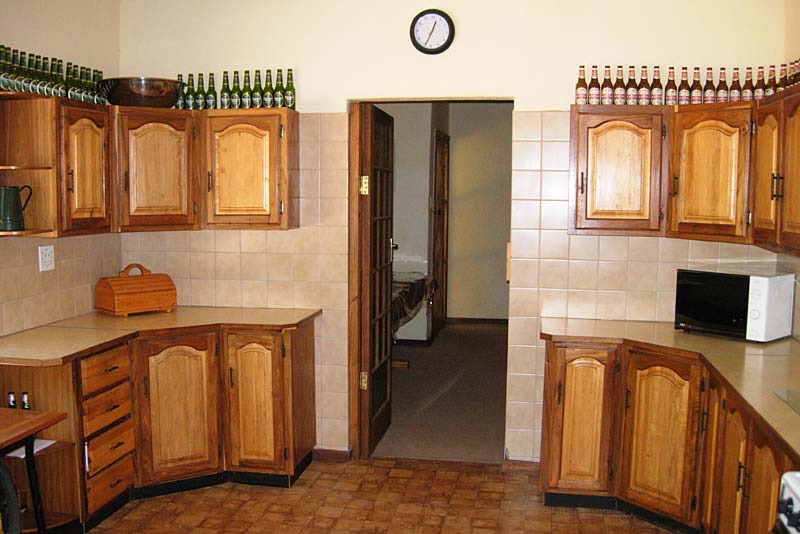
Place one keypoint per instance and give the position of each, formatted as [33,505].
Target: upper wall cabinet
[789,180]
[708,183]
[616,160]
[156,150]
[766,171]
[249,159]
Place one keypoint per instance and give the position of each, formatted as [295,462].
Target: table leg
[33,482]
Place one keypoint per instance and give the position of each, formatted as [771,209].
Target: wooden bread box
[125,294]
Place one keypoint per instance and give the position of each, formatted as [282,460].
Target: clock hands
[431,32]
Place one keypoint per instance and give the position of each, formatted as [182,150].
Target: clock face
[432,31]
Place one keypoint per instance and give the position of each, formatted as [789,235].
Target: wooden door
[441,187]
[157,169]
[618,175]
[710,425]
[177,387]
[661,428]
[579,401]
[255,425]
[86,196]
[731,469]
[766,171]
[376,163]
[243,174]
[789,185]
[708,189]
[765,464]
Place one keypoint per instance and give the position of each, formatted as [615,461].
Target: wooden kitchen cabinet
[731,458]
[710,154]
[660,428]
[578,415]
[766,462]
[176,391]
[789,182]
[251,158]
[617,160]
[710,425]
[766,171]
[157,178]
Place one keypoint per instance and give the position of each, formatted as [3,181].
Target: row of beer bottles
[236,96]
[644,92]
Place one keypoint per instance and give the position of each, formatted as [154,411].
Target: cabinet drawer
[104,369]
[104,409]
[109,483]
[109,447]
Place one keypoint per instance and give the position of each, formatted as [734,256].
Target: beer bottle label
[268,100]
[288,97]
[200,102]
[190,101]
[709,96]
[684,97]
[246,100]
[747,95]
[581,96]
[696,96]
[607,96]
[225,101]
[179,103]
[632,97]
[256,100]
[671,97]
[236,101]
[722,95]
[657,96]
[278,99]
[758,94]
[735,96]
[769,91]
[619,96]
[211,102]
[644,96]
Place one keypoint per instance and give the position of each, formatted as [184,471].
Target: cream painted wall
[528,51]
[479,210]
[791,23]
[82,31]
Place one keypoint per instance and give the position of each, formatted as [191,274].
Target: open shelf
[24,168]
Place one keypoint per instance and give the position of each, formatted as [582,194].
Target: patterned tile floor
[376,496]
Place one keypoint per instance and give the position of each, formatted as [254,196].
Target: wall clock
[432,31]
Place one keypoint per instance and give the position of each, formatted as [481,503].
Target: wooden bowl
[144,92]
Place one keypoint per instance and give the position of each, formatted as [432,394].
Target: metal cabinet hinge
[364,188]
[127,181]
[702,384]
[748,218]
[194,208]
[280,132]
[752,127]
[281,207]
[660,214]
[285,453]
[362,382]
[283,350]
[663,132]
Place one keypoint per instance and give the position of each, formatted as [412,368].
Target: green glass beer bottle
[5,68]
[200,94]
[50,84]
[258,91]
[44,77]
[179,103]
[61,84]
[96,76]
[27,67]
[86,86]
[211,94]
[36,75]
[188,95]
[267,97]
[277,93]
[289,94]
[236,92]
[247,91]
[225,92]
[11,84]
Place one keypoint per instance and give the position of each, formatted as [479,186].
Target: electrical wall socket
[47,258]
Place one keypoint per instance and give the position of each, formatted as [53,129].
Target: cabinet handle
[111,369]
[772,193]
[116,483]
[117,445]
[112,408]
[675,185]
[627,399]
[146,388]
[779,186]
[558,393]
[740,477]
[580,183]
[209,181]
[230,375]
[71,181]
[127,181]
[703,418]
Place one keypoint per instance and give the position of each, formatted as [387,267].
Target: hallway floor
[377,496]
[450,404]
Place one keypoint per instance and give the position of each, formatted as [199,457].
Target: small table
[18,427]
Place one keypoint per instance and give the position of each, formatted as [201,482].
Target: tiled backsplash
[554,274]
[302,268]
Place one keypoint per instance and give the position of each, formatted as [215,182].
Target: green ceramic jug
[11,207]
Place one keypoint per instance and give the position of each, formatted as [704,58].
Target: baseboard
[473,320]
[518,466]
[332,456]
[414,342]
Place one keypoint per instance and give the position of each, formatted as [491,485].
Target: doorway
[446,375]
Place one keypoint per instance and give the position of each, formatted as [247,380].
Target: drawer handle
[117,445]
[112,408]
[116,483]
[111,369]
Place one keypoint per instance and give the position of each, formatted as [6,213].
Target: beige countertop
[60,342]
[755,370]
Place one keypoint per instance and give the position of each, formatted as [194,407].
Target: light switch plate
[47,258]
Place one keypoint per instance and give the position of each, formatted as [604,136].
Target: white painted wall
[479,210]
[525,50]
[82,31]
[791,33]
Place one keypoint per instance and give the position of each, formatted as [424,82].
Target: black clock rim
[446,44]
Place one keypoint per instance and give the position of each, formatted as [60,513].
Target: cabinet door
[709,173]
[177,384]
[86,168]
[255,400]
[766,171]
[579,399]
[790,184]
[156,149]
[661,425]
[618,172]
[243,156]
[711,420]
[732,452]
[765,465]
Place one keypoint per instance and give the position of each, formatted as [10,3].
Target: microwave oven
[748,301]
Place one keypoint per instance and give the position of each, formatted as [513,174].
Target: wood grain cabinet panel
[578,424]
[617,159]
[85,187]
[177,387]
[766,172]
[765,465]
[712,416]
[708,189]
[732,458]
[789,186]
